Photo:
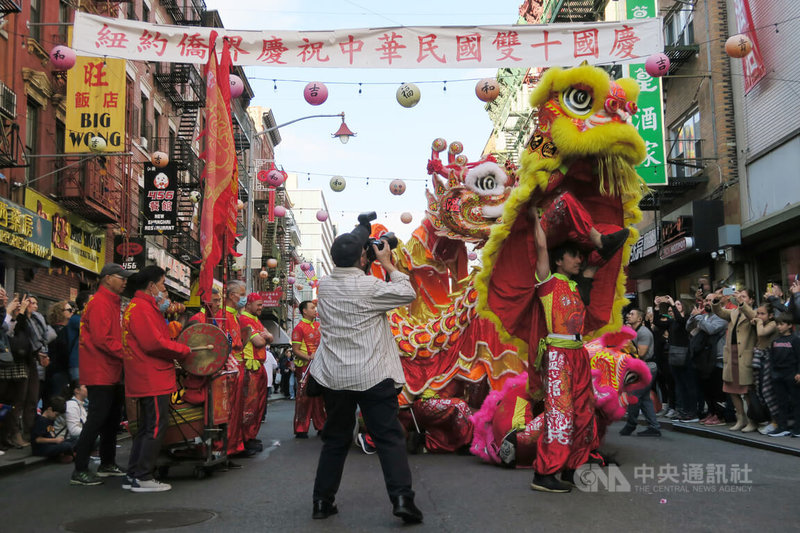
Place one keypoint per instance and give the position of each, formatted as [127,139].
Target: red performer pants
[570,431]
[255,402]
[565,219]
[446,423]
[236,399]
[307,409]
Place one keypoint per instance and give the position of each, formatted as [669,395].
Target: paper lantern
[315,93]
[263,274]
[305,267]
[275,178]
[461,160]
[62,57]
[657,65]
[472,256]
[272,262]
[276,280]
[738,46]
[239,205]
[290,280]
[487,89]
[237,86]
[280,211]
[397,187]
[408,95]
[194,196]
[338,184]
[298,287]
[439,145]
[159,159]
[406,218]
[97,144]
[322,215]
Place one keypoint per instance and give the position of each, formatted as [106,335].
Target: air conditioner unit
[143,142]
[8,101]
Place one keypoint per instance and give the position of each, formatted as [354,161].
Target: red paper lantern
[275,178]
[472,256]
[237,86]
[322,215]
[657,65]
[290,280]
[272,262]
[62,57]
[315,93]
[487,89]
[280,211]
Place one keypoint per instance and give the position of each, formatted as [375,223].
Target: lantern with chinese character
[322,215]
[738,46]
[487,89]
[439,145]
[159,159]
[237,86]
[272,262]
[97,144]
[338,184]
[263,274]
[290,280]
[657,65]
[408,95]
[315,93]
[275,178]
[240,205]
[280,211]
[472,256]
[62,57]
[406,218]
[397,187]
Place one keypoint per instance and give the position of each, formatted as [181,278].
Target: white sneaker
[768,428]
[671,414]
[149,485]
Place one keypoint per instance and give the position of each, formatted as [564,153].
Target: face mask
[163,305]
[242,302]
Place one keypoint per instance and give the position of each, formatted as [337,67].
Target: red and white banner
[271,298]
[753,64]
[439,47]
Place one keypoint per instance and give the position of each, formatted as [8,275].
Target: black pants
[153,419]
[105,409]
[712,393]
[379,408]
[787,393]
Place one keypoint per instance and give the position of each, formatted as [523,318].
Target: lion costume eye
[578,101]
[486,179]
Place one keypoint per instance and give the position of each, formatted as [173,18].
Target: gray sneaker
[111,470]
[84,478]
[149,485]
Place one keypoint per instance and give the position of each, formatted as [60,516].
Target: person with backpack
[680,365]
[706,347]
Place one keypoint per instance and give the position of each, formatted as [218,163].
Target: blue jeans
[686,396]
[644,405]
[292,385]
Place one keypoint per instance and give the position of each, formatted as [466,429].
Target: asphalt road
[456,493]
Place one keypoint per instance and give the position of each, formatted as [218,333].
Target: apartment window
[31,138]
[63,18]
[36,17]
[157,128]
[131,10]
[686,146]
[143,118]
[679,28]
[145,13]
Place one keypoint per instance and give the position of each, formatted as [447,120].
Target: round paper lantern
[240,205]
[194,196]
[439,145]
[97,144]
[237,86]
[275,178]
[487,89]
[406,218]
[461,160]
[657,65]
[298,287]
[322,215]
[272,262]
[738,46]
[456,147]
[305,267]
[276,280]
[408,95]
[263,274]
[338,184]
[159,159]
[290,280]
[280,211]
[62,57]
[397,187]
[472,256]
[315,93]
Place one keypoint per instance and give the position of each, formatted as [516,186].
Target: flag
[220,176]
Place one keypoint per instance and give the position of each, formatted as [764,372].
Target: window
[157,127]
[36,17]
[63,17]
[143,118]
[31,138]
[679,28]
[131,10]
[685,145]
[145,13]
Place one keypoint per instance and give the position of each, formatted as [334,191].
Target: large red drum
[210,349]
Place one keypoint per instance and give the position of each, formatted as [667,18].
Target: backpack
[703,352]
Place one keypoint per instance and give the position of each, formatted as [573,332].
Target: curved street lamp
[343,133]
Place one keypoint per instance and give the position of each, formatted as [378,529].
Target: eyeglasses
[68,309]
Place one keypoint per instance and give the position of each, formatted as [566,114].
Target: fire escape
[185,87]
[11,147]
[275,243]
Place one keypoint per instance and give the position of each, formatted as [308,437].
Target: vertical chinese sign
[649,121]
[752,63]
[160,200]
[95,104]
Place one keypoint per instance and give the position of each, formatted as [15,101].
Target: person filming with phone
[357,364]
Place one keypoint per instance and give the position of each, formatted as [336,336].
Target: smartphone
[650,309]
[797,277]
[728,291]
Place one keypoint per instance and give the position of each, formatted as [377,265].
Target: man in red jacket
[149,356]
[100,349]
[255,339]
[211,313]
[235,300]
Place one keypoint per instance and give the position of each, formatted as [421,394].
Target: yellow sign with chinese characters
[24,233]
[74,239]
[95,104]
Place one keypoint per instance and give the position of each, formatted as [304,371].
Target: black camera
[386,238]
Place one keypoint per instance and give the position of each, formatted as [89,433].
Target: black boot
[404,508]
[613,242]
[549,483]
[568,476]
[323,509]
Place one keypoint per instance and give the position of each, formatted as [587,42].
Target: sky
[392,141]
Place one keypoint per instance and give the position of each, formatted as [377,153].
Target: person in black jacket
[686,390]
[659,325]
[785,356]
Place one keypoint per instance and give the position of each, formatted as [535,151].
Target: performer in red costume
[211,313]
[570,431]
[235,299]
[255,337]
[445,417]
[305,341]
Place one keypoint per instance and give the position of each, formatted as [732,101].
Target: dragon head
[468,197]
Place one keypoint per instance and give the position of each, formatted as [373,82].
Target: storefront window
[685,146]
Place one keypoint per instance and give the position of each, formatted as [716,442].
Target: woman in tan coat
[740,339]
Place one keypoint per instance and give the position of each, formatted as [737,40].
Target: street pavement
[704,485]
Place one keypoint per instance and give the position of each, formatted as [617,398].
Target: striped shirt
[358,350]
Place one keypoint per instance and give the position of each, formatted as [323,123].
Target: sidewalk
[787,445]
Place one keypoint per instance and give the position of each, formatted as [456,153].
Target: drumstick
[206,347]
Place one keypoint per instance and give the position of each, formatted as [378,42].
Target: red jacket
[100,344]
[149,351]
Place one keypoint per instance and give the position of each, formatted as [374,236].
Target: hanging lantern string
[345,176]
